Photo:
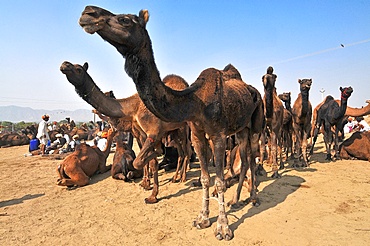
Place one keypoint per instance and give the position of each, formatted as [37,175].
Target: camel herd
[217,106]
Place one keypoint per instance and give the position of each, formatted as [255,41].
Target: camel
[287,130]
[350,111]
[124,156]
[274,112]
[78,167]
[301,113]
[357,146]
[13,139]
[130,114]
[218,104]
[331,114]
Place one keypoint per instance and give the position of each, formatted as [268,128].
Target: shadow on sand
[19,200]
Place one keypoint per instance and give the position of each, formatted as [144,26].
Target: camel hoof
[223,232]
[276,175]
[151,200]
[235,205]
[255,202]
[197,183]
[202,224]
[130,175]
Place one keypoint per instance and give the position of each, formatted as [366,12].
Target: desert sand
[325,204]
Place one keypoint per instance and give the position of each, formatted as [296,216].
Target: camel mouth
[65,67]
[91,28]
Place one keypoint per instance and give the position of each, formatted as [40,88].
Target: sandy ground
[326,204]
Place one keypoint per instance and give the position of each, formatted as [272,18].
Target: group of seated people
[63,144]
[356,124]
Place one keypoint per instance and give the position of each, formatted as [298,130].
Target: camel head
[346,92]
[123,31]
[269,79]
[305,84]
[75,73]
[285,97]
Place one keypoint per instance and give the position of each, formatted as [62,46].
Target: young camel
[301,113]
[122,166]
[287,130]
[218,104]
[274,113]
[77,168]
[131,112]
[331,114]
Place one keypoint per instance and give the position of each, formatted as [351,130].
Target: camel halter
[85,95]
[344,93]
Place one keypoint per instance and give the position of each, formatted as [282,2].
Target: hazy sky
[300,39]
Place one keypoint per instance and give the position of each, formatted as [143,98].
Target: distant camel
[287,130]
[274,113]
[331,114]
[302,112]
[218,104]
[350,111]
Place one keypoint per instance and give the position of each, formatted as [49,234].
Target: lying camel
[122,167]
[77,168]
[357,146]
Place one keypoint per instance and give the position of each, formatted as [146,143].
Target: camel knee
[220,186]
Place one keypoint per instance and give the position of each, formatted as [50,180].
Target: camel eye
[124,20]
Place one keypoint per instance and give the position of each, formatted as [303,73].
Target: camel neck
[305,100]
[158,98]
[288,106]
[92,94]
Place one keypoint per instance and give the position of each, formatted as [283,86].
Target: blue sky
[300,39]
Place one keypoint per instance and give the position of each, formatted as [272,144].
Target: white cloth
[366,126]
[348,127]
[102,144]
[42,132]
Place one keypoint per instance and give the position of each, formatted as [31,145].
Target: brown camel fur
[13,139]
[77,168]
[274,113]
[357,146]
[301,113]
[331,114]
[218,104]
[130,114]
[122,167]
[287,130]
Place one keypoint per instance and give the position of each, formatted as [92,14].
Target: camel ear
[85,66]
[340,88]
[299,81]
[144,17]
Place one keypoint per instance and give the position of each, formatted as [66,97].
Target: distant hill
[16,114]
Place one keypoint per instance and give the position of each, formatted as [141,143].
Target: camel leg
[153,164]
[145,183]
[328,137]
[222,230]
[274,147]
[76,177]
[201,148]
[336,143]
[260,169]
[304,149]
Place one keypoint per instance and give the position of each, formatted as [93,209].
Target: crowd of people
[63,143]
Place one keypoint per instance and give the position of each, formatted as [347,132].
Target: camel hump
[230,72]
[329,98]
[256,96]
[175,82]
